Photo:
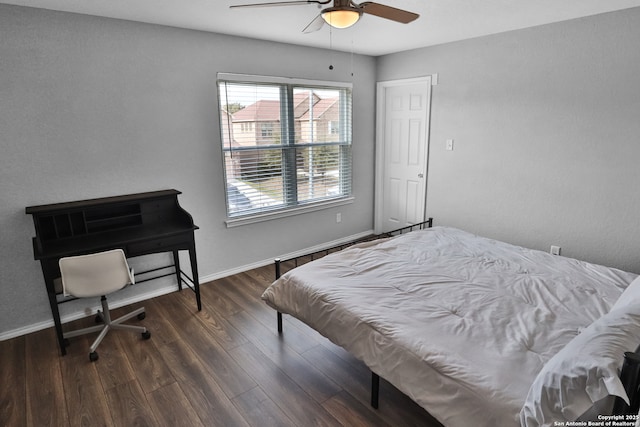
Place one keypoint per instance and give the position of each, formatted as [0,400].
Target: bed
[478,332]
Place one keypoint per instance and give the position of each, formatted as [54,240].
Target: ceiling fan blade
[314,25]
[388,12]
[279,3]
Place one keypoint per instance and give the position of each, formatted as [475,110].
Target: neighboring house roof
[319,108]
[301,103]
[269,110]
[261,111]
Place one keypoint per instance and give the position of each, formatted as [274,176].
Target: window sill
[267,216]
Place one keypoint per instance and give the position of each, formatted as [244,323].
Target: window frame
[287,120]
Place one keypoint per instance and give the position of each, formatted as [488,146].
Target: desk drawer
[158,245]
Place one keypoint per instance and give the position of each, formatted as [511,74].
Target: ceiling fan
[344,13]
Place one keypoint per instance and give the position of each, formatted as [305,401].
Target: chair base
[109,324]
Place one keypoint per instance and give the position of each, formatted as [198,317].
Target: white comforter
[460,323]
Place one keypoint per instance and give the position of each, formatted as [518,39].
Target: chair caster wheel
[98,319]
[93,356]
[146,335]
[142,315]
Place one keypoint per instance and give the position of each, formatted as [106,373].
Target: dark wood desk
[139,224]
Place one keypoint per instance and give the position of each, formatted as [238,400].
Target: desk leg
[176,263]
[56,320]
[53,303]
[194,272]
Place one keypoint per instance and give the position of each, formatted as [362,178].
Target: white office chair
[95,275]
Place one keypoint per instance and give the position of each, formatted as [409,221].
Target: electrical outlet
[338,217]
[555,250]
[449,144]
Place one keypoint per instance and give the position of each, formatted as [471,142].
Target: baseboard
[172,288]
[317,248]
[79,314]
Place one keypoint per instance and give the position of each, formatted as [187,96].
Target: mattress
[460,323]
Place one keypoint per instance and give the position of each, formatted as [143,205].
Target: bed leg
[276,263]
[375,389]
[279,322]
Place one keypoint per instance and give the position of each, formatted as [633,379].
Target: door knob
[420,175]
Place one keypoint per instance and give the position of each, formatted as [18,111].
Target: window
[286,144]
[334,127]
[267,130]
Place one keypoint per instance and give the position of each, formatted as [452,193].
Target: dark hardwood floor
[223,366]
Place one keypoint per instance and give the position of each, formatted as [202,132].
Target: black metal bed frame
[375,378]
[629,375]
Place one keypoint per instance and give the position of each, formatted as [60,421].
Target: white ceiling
[440,21]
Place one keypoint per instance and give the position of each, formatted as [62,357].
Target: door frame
[380,143]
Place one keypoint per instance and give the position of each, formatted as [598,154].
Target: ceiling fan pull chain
[352,55]
[330,47]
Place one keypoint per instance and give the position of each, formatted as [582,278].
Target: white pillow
[629,295]
[584,371]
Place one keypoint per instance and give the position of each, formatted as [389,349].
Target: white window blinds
[286,143]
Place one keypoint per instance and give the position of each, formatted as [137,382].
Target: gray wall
[546,124]
[93,107]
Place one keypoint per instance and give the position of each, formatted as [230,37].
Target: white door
[402,146]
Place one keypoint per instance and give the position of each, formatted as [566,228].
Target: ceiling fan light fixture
[341,17]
